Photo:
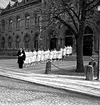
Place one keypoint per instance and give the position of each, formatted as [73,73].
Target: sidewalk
[74,83]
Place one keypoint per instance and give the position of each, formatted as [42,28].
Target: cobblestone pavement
[15,92]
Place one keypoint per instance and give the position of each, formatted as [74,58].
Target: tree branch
[68,9]
[93,6]
[90,3]
[72,17]
[74,13]
[66,24]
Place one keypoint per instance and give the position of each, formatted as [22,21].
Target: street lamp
[98,49]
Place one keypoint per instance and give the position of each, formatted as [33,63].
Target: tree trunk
[79,50]
[79,38]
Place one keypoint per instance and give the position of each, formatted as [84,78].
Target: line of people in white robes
[33,57]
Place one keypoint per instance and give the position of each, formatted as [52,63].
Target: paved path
[16,92]
[71,81]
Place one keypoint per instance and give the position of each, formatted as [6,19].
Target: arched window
[17,41]
[9,42]
[88,41]
[53,39]
[37,18]
[88,30]
[3,25]
[27,20]
[10,24]
[69,37]
[68,33]
[26,40]
[17,22]
[3,43]
[36,41]
[88,35]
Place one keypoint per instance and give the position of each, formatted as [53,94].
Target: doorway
[88,41]
[53,42]
[68,38]
[36,41]
[87,46]
[68,41]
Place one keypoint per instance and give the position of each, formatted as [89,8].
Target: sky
[4,3]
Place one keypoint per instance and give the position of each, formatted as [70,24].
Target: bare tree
[77,11]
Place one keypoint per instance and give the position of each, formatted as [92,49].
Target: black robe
[21,58]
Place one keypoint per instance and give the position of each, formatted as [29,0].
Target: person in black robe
[21,57]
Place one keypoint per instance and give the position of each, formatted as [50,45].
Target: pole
[98,47]
[98,60]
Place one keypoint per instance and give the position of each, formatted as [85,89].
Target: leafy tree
[78,12]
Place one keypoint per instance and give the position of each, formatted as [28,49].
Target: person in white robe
[42,55]
[65,51]
[26,60]
[39,55]
[71,50]
[48,54]
[55,54]
[28,57]
[51,55]
[33,60]
[68,50]
[35,56]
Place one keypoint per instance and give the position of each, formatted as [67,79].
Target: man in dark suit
[21,57]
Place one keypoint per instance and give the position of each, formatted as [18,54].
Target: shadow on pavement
[70,72]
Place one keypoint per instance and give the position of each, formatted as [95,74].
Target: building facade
[25,24]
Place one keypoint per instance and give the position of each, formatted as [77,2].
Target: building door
[36,41]
[87,46]
[88,42]
[3,43]
[36,45]
[68,38]
[53,42]
[68,41]
[26,41]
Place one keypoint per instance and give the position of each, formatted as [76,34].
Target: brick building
[25,24]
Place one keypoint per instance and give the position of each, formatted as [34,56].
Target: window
[36,41]
[17,41]
[17,22]
[26,39]
[9,45]
[3,25]
[3,43]
[27,20]
[88,30]
[9,42]
[37,19]
[17,44]
[10,24]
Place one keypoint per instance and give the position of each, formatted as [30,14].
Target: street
[16,92]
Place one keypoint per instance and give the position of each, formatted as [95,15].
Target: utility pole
[98,48]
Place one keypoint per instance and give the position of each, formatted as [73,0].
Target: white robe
[35,56]
[51,55]
[39,55]
[26,60]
